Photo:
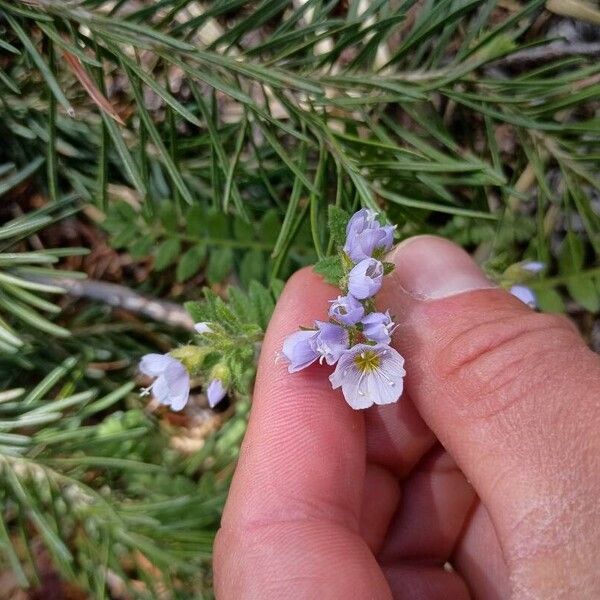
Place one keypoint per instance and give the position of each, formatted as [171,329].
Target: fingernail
[429,267]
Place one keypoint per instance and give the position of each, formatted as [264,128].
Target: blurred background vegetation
[151,148]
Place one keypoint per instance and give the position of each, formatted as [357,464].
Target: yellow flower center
[367,361]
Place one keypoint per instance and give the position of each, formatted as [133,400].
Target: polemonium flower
[299,349]
[364,280]
[363,219]
[346,310]
[203,327]
[215,392]
[378,327]
[369,375]
[524,294]
[172,384]
[331,341]
[533,266]
[364,236]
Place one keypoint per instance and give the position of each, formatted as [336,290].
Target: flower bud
[192,357]
[221,372]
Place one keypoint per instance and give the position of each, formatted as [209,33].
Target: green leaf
[197,310]
[216,225]
[195,220]
[242,230]
[10,182]
[141,247]
[40,63]
[128,163]
[168,217]
[167,253]
[571,259]
[549,300]
[571,255]
[252,267]
[270,225]
[263,301]
[338,220]
[331,269]
[150,127]
[583,290]
[190,262]
[242,305]
[124,237]
[220,264]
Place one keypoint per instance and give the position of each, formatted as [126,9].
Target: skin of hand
[490,461]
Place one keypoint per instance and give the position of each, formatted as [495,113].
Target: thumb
[511,394]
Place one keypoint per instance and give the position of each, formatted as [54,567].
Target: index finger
[304,452]
[291,523]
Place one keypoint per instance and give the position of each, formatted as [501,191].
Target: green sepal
[222,372]
[192,357]
[388,267]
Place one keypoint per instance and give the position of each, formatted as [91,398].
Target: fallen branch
[548,53]
[122,297]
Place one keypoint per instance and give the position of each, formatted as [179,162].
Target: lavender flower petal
[331,341]
[154,364]
[215,392]
[378,327]
[202,327]
[299,350]
[172,384]
[365,279]
[533,266]
[369,375]
[362,245]
[178,381]
[387,239]
[364,236]
[361,220]
[346,310]
[160,390]
[524,294]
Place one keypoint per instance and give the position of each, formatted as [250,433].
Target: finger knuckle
[495,362]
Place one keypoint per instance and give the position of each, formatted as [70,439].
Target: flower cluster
[171,386]
[356,337]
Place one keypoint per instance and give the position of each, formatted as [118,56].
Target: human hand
[490,461]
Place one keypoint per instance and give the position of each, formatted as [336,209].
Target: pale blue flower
[330,342]
[533,266]
[365,235]
[346,310]
[326,343]
[363,219]
[203,327]
[378,327]
[365,279]
[172,384]
[369,375]
[524,294]
[215,392]
[299,349]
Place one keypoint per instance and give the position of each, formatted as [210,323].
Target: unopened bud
[192,357]
[221,371]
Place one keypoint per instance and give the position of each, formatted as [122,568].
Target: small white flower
[524,294]
[202,327]
[533,266]
[172,384]
[215,392]
[369,375]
